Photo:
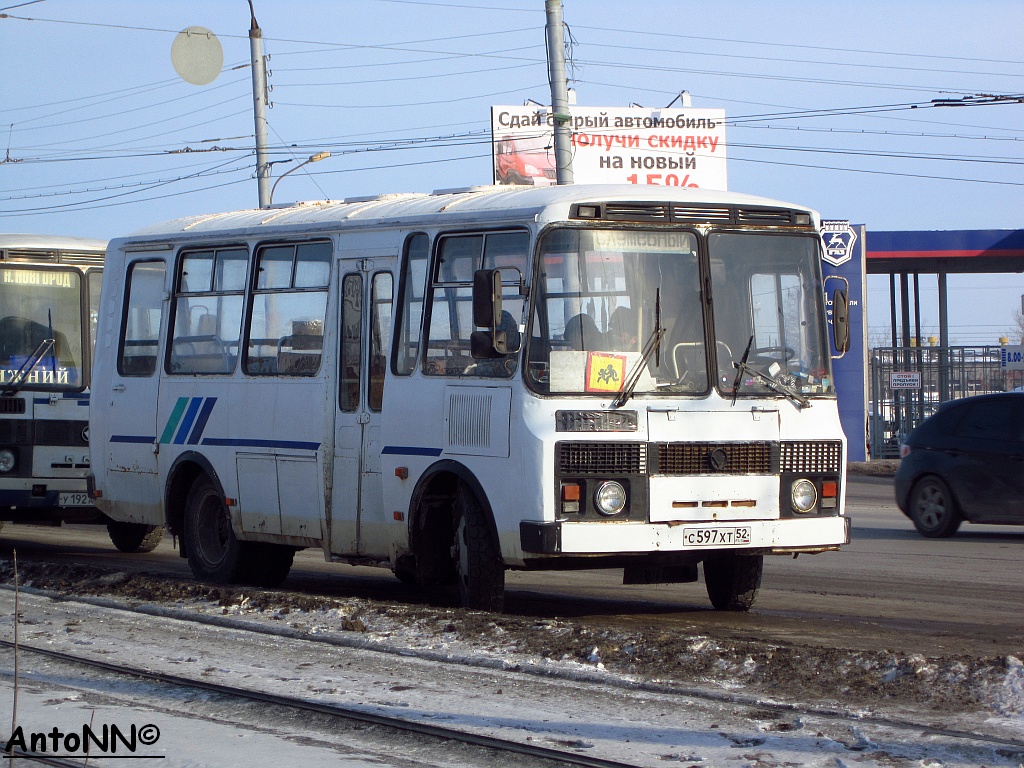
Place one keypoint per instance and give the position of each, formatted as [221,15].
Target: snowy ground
[648,701]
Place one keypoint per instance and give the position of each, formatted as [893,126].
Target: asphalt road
[890,588]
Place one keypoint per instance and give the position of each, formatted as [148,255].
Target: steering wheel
[773,354]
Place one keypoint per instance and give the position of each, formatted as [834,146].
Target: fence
[926,377]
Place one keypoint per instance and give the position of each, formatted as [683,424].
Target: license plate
[74,500]
[716,536]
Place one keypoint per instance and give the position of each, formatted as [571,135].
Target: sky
[828,104]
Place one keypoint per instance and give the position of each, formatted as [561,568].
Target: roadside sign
[905,380]
[1011,358]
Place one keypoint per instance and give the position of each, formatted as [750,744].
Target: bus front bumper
[607,538]
[43,493]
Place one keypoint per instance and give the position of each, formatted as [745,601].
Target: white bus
[49,302]
[460,383]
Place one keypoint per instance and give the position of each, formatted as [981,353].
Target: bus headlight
[610,498]
[804,495]
[7,460]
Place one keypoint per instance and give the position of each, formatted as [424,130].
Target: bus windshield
[768,301]
[619,310]
[37,304]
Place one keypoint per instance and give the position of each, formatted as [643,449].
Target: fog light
[804,495]
[7,460]
[610,498]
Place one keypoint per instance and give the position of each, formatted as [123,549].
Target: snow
[568,704]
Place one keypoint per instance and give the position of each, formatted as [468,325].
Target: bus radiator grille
[809,457]
[602,458]
[755,458]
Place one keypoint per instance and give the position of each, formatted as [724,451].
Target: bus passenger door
[129,398]
[357,523]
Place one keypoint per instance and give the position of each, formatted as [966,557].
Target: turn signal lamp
[571,498]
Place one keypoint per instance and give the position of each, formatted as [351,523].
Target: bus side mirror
[491,343]
[841,322]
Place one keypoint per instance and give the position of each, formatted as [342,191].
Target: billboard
[629,145]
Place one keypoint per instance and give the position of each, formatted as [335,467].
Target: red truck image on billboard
[528,160]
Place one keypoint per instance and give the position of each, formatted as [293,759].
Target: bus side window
[143,315]
[380,332]
[351,342]
[288,309]
[209,289]
[409,324]
[448,351]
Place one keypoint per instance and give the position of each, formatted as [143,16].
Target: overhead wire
[748,121]
[412,104]
[162,104]
[777,44]
[817,62]
[82,205]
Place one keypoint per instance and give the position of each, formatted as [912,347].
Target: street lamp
[312,159]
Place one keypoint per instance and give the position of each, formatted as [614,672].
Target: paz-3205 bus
[460,383]
[49,302]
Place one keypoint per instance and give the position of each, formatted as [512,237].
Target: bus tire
[214,553]
[479,569]
[134,537]
[267,565]
[732,580]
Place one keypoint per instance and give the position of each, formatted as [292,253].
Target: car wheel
[732,580]
[933,510]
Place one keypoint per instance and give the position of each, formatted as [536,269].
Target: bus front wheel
[214,554]
[479,569]
[732,580]
[134,537]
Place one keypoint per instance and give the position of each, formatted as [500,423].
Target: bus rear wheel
[732,580]
[214,554]
[479,569]
[134,537]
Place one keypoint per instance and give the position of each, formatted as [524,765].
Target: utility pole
[559,92]
[259,108]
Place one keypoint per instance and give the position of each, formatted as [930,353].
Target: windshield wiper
[33,360]
[778,386]
[739,369]
[633,378]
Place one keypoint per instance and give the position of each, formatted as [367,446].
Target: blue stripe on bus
[251,443]
[403,450]
[187,420]
[132,439]
[82,400]
[204,416]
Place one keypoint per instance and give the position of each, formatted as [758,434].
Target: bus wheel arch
[214,553]
[453,536]
[180,479]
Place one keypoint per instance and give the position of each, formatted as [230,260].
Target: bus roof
[466,206]
[51,243]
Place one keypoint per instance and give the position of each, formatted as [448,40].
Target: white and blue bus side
[456,384]
[49,304]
